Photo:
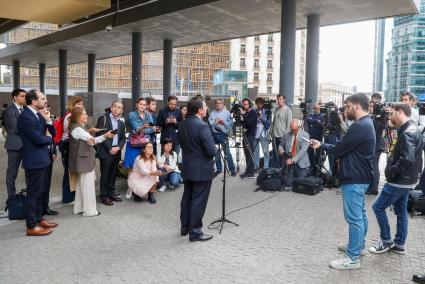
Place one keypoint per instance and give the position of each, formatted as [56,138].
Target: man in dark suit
[198,169]
[13,142]
[109,153]
[33,124]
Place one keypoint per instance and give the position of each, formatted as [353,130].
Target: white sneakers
[345,263]
[162,188]
[129,194]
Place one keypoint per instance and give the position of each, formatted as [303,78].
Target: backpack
[58,124]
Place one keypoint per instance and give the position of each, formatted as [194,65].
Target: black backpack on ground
[16,205]
[416,203]
[270,179]
[307,185]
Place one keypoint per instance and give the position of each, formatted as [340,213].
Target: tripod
[223,218]
[238,128]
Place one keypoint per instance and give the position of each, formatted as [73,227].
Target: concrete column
[287,50]
[16,74]
[136,52]
[312,60]
[91,73]
[42,77]
[63,89]
[167,69]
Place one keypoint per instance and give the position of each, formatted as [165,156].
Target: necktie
[20,110]
[294,147]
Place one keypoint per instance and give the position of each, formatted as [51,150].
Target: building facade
[334,92]
[406,60]
[378,64]
[260,56]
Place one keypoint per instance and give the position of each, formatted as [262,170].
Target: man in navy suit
[198,169]
[13,142]
[33,123]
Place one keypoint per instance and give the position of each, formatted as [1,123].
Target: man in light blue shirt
[262,134]
[221,118]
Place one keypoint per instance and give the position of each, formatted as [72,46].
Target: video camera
[330,116]
[379,110]
[421,106]
[236,112]
[268,106]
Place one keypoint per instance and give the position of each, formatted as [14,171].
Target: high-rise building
[193,67]
[406,60]
[260,56]
[378,65]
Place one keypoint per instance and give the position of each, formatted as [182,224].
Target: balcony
[270,54]
[256,68]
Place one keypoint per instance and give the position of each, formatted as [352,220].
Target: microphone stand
[223,218]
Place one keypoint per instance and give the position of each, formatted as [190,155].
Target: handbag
[16,206]
[138,139]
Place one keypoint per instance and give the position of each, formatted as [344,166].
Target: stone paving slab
[288,238]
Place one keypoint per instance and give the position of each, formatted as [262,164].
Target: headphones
[249,102]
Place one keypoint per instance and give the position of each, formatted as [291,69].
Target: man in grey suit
[295,148]
[13,142]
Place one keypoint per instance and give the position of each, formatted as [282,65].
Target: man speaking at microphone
[222,122]
[198,148]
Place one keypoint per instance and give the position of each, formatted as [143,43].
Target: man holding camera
[315,122]
[262,132]
[249,122]
[379,125]
[355,153]
[280,125]
[402,170]
[168,120]
[222,123]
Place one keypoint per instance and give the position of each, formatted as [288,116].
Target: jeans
[248,147]
[373,187]
[398,197]
[331,139]
[173,179]
[353,198]
[294,171]
[276,158]
[264,143]
[221,139]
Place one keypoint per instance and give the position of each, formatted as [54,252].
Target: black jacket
[405,162]
[379,126]
[105,146]
[250,122]
[355,152]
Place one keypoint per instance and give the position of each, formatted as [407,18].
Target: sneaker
[397,249]
[129,194]
[380,247]
[343,248]
[345,263]
[162,188]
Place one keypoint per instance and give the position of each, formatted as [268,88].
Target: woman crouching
[145,176]
[82,162]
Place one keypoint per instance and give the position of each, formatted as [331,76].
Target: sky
[346,54]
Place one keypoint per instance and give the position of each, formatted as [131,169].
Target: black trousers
[193,204]
[46,193]
[36,187]
[14,159]
[249,148]
[108,175]
[373,186]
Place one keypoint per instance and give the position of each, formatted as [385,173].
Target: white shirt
[20,108]
[80,133]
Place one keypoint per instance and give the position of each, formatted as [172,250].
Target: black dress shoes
[151,198]
[50,212]
[201,238]
[419,278]
[116,198]
[184,231]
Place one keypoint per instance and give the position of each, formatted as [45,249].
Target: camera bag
[270,180]
[416,203]
[307,185]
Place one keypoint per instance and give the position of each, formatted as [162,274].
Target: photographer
[315,122]
[249,117]
[280,125]
[378,117]
[401,172]
[262,132]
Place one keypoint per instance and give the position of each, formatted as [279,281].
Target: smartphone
[305,139]
[115,131]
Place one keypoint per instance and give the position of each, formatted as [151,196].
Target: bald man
[294,150]
[315,130]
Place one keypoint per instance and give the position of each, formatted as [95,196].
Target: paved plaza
[287,238]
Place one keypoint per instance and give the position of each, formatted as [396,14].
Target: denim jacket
[136,122]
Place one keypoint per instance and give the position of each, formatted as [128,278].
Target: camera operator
[315,122]
[332,132]
[262,132]
[377,114]
[249,117]
[401,172]
[280,125]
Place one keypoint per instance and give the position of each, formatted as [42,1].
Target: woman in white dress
[145,176]
[82,162]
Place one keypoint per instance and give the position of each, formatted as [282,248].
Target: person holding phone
[294,145]
[109,153]
[169,119]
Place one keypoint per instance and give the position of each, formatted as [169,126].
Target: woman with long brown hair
[145,176]
[82,162]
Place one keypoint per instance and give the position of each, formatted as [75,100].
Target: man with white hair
[295,145]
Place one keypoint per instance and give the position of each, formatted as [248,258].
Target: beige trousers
[85,195]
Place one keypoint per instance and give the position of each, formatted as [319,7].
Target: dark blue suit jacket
[36,144]
[198,149]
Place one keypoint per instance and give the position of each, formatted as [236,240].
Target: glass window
[270,50]
[255,76]
[269,77]
[243,48]
[256,63]
[269,90]
[242,63]
[257,49]
[269,64]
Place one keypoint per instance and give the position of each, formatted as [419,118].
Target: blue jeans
[224,144]
[173,179]
[353,198]
[398,197]
[264,143]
